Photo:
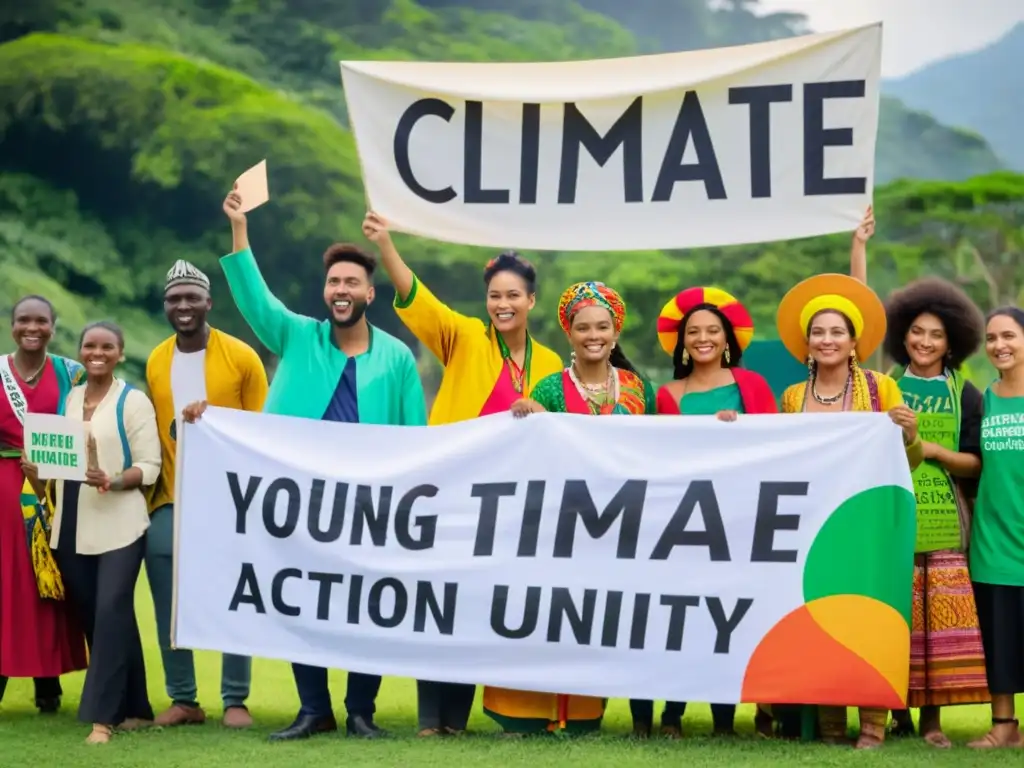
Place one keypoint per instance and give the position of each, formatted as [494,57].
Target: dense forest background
[123,123]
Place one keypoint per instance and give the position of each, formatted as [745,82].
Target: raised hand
[375,228]
[232,203]
[866,228]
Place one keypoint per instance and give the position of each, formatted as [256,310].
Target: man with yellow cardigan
[196,363]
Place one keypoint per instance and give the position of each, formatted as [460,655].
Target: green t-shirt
[997,534]
[938,523]
[710,402]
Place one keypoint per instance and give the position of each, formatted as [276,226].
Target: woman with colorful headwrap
[487,367]
[832,322]
[705,331]
[600,380]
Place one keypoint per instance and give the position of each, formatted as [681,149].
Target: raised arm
[436,325]
[269,319]
[859,246]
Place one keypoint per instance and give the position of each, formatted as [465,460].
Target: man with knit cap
[196,363]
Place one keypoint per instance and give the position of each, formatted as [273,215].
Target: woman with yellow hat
[833,322]
[705,331]
[600,380]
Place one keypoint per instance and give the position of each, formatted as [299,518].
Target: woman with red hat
[705,330]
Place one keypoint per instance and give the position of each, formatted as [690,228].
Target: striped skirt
[947,663]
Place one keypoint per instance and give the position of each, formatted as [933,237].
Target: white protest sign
[681,558]
[252,187]
[56,445]
[714,147]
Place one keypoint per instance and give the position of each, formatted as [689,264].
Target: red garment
[38,638]
[755,393]
[503,394]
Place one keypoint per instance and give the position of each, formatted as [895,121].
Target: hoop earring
[726,356]
[685,359]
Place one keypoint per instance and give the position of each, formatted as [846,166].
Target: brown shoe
[180,714]
[237,717]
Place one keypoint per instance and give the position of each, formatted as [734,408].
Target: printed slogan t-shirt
[938,522]
[997,538]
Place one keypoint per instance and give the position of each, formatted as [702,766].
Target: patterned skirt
[947,662]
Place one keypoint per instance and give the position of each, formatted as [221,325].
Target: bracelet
[117,484]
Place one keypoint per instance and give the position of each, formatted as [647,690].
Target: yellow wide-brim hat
[840,293]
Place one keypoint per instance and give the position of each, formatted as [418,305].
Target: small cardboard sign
[56,445]
[252,187]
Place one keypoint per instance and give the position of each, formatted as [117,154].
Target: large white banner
[673,558]
[713,147]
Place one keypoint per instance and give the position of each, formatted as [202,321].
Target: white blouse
[112,520]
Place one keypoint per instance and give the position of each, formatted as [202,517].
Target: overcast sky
[916,32]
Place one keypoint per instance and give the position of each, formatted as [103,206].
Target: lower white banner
[682,558]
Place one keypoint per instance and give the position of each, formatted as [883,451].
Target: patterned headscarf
[590,294]
[183,273]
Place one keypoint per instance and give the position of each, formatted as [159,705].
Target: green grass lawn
[28,739]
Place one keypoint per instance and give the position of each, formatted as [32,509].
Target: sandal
[671,732]
[992,741]
[449,731]
[101,734]
[428,732]
[937,739]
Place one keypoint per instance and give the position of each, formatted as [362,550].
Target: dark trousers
[444,705]
[722,715]
[315,695]
[46,687]
[101,588]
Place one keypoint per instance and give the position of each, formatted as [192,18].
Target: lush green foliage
[123,123]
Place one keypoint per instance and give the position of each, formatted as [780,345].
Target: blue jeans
[179,665]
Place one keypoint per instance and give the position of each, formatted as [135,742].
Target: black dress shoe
[306,726]
[360,726]
[49,705]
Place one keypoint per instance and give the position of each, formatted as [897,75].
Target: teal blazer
[388,385]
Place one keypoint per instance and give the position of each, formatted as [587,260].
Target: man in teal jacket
[342,369]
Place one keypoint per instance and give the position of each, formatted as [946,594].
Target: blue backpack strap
[122,433]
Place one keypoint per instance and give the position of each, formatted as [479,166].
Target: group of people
[71,552]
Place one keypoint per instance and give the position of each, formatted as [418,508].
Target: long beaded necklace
[832,400]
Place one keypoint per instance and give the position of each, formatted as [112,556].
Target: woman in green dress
[600,380]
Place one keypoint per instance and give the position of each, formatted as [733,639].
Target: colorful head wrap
[838,293]
[590,294]
[676,309]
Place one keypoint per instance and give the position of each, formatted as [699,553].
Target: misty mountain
[982,91]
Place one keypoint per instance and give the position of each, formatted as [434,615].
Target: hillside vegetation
[123,123]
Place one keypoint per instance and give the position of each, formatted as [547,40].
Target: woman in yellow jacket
[487,367]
